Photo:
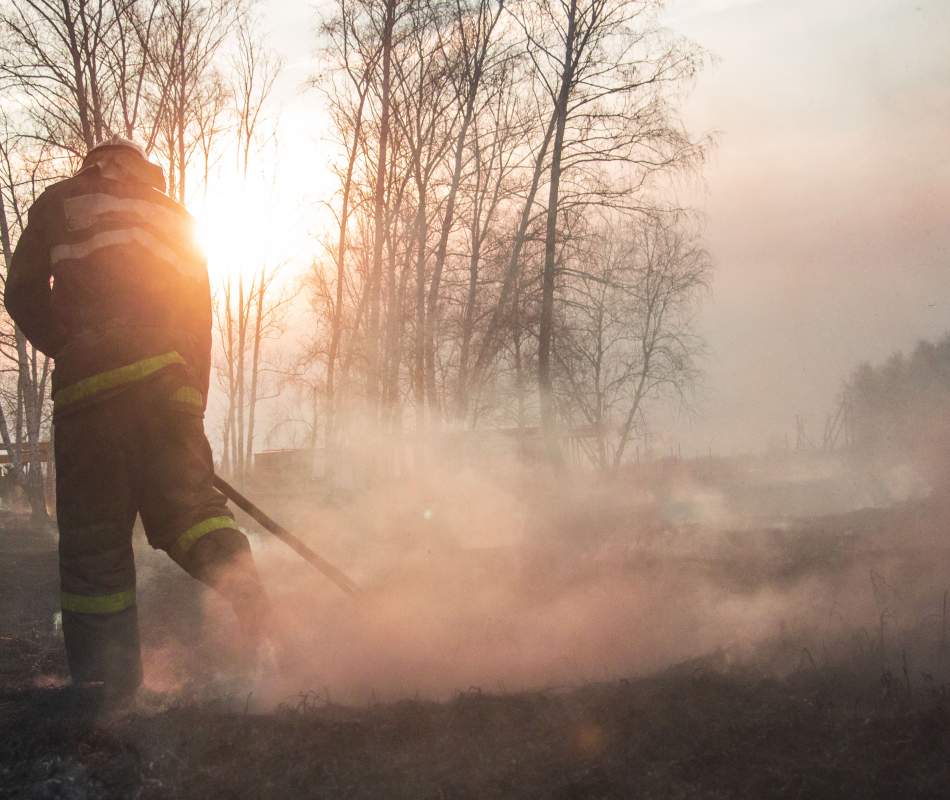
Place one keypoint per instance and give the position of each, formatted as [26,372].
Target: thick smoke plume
[512,578]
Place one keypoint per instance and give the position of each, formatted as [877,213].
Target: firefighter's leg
[186,516]
[95,513]
[222,559]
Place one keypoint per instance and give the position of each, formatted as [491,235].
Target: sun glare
[277,214]
[243,226]
[235,228]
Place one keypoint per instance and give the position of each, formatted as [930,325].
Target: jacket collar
[121,164]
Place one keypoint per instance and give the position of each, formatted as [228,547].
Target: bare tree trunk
[485,202]
[314,410]
[468,315]
[379,213]
[241,348]
[516,334]
[36,488]
[336,331]
[255,368]
[419,356]
[82,107]
[184,69]
[91,56]
[489,346]
[227,458]
[600,413]
[13,444]
[28,418]
[472,88]
[393,346]
[30,396]
[627,426]
[546,326]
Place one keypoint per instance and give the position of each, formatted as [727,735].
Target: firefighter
[107,280]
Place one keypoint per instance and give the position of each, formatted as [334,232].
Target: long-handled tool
[334,574]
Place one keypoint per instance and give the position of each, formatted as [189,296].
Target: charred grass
[694,731]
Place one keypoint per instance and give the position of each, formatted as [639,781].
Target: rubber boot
[103,651]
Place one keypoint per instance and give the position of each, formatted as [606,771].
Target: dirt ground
[796,718]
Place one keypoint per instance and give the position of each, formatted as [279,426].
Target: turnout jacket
[108,280]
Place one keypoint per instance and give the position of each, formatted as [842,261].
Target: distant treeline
[899,409]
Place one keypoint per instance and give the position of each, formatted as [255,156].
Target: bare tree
[496,157]
[357,68]
[625,331]
[474,134]
[83,70]
[52,55]
[477,56]
[19,185]
[248,309]
[601,64]
[387,43]
[191,34]
[211,121]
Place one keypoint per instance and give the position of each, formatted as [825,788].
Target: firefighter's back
[129,284]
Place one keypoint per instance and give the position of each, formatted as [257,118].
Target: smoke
[510,578]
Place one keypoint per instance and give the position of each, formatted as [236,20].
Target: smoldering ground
[507,579]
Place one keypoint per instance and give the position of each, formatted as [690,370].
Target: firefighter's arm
[27,294]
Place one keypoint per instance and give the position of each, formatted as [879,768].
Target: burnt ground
[713,727]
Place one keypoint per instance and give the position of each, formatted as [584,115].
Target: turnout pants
[140,452]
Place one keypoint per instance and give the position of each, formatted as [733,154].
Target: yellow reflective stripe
[185,542]
[189,395]
[114,378]
[98,604]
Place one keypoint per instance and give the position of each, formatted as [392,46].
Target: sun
[244,225]
[276,215]
[238,228]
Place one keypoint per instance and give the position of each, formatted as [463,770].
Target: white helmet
[119,141]
[108,155]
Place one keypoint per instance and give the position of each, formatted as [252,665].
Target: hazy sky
[826,198]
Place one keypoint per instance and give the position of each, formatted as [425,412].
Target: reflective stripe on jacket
[118,378]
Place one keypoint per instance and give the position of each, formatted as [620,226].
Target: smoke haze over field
[502,580]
